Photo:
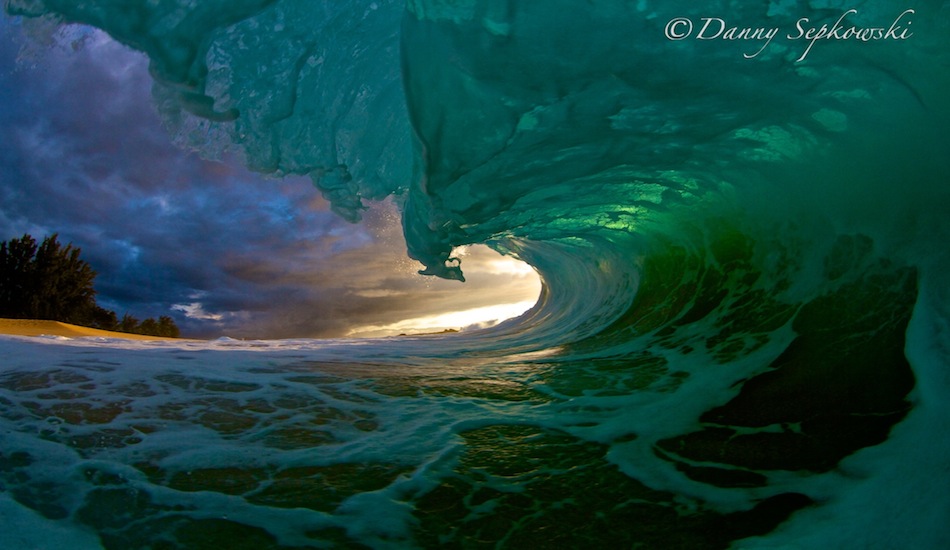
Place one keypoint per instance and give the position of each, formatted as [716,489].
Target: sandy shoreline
[31,327]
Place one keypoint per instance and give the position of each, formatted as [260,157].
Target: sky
[223,251]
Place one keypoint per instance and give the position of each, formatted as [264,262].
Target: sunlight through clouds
[481,317]
[517,291]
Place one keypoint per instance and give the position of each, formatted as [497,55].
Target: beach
[34,327]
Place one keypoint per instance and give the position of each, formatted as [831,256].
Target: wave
[743,258]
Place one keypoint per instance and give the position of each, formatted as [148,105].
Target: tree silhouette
[128,324]
[63,282]
[16,267]
[45,282]
[104,319]
[167,327]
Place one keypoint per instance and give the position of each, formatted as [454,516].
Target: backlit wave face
[592,132]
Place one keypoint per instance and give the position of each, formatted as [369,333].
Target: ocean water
[743,339]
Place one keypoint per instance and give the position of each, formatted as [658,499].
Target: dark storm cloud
[220,249]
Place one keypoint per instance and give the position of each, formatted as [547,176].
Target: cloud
[222,250]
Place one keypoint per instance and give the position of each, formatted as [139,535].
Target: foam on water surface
[741,340]
[285,440]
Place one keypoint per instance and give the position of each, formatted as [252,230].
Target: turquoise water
[742,338]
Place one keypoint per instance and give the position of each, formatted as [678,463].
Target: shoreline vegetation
[35,327]
[49,281]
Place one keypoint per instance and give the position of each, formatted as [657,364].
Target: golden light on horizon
[514,289]
[481,317]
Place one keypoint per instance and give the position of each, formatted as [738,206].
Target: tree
[167,327]
[104,319]
[149,327]
[45,282]
[164,326]
[128,324]
[63,284]
[16,265]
